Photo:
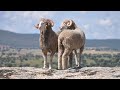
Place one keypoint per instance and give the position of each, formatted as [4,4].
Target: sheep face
[44,28]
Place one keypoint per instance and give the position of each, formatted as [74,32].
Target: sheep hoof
[45,68]
[76,67]
[56,68]
[59,68]
[50,68]
[70,68]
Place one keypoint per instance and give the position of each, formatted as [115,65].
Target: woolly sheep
[48,40]
[71,38]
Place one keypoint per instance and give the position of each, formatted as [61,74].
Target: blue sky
[95,24]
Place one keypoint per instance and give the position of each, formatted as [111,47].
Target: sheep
[71,38]
[48,40]
[70,57]
[70,24]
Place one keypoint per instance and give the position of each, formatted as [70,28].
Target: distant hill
[17,40]
[108,43]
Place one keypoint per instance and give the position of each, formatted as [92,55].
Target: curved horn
[51,22]
[69,22]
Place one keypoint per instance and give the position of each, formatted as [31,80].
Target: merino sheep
[71,38]
[70,24]
[48,40]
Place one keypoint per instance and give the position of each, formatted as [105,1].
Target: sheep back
[73,39]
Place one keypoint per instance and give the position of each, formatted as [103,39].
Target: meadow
[33,58]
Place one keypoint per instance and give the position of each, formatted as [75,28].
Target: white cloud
[7,14]
[86,26]
[23,21]
[83,12]
[10,28]
[13,18]
[38,14]
[93,23]
[104,22]
[28,14]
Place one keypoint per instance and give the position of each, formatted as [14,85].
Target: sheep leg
[79,61]
[76,58]
[45,58]
[51,58]
[65,58]
[70,59]
[60,59]
[60,52]
[80,52]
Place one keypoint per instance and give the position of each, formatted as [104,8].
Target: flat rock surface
[39,73]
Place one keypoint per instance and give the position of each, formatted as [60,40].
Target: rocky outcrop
[39,73]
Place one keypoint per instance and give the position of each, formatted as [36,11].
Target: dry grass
[100,52]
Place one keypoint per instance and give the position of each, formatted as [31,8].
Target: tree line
[12,59]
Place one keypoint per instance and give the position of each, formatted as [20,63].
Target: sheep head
[48,22]
[68,24]
[45,28]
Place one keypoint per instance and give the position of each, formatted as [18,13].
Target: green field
[33,58]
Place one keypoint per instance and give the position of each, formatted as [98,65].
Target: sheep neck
[46,39]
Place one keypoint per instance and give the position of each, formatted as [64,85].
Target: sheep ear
[36,26]
[64,23]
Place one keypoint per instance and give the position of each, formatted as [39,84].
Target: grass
[38,62]
[100,52]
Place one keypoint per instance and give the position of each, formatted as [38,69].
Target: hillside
[17,40]
[39,73]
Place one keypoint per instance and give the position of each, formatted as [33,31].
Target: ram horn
[51,22]
[69,22]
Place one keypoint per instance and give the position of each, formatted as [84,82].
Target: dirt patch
[39,73]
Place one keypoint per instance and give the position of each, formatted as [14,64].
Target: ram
[48,40]
[71,38]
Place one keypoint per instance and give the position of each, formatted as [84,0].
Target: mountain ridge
[19,40]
